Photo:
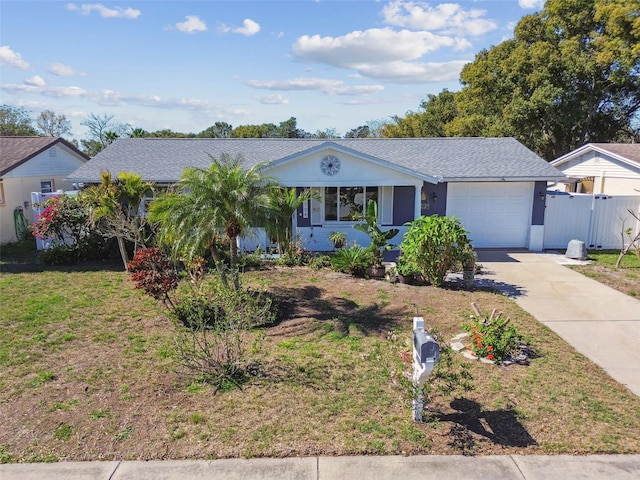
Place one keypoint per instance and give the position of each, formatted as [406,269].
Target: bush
[493,337]
[435,245]
[152,271]
[319,262]
[215,331]
[60,254]
[353,260]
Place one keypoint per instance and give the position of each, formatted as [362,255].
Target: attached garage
[495,214]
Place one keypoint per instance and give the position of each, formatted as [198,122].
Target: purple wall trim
[431,205]
[403,204]
[537,212]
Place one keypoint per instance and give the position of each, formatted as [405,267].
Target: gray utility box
[425,347]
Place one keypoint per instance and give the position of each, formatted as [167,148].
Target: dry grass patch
[88,372]
[625,279]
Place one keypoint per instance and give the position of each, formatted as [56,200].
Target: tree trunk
[123,250]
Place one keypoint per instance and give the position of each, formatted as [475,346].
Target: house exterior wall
[306,172]
[18,184]
[610,176]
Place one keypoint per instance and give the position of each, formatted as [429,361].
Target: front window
[347,204]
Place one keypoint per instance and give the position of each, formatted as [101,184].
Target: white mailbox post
[426,353]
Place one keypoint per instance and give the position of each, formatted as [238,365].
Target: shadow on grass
[12,261]
[502,427]
[310,302]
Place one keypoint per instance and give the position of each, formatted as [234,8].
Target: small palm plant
[379,239]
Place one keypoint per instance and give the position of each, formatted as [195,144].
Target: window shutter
[316,207]
[386,205]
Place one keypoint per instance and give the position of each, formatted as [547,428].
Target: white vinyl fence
[597,220]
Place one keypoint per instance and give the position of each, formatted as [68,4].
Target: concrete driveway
[599,322]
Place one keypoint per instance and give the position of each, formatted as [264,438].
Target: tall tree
[102,131]
[217,130]
[225,198]
[359,132]
[570,75]
[15,122]
[437,111]
[114,209]
[52,125]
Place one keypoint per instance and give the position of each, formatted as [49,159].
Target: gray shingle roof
[163,160]
[630,151]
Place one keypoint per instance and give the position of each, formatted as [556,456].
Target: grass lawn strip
[87,372]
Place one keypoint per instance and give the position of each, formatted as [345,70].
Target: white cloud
[14,59]
[531,4]
[36,81]
[406,72]
[62,70]
[296,84]
[449,18]
[249,28]
[105,12]
[271,99]
[192,24]
[326,86]
[371,47]
[112,98]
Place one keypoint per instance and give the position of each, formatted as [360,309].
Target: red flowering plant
[492,336]
[46,225]
[63,218]
[152,271]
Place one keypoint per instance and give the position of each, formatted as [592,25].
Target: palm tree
[114,208]
[283,203]
[223,199]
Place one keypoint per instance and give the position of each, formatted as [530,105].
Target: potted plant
[468,259]
[339,239]
[406,270]
[379,239]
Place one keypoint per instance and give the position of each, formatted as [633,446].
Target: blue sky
[185,65]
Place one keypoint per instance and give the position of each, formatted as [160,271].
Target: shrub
[318,262]
[353,260]
[435,245]
[215,331]
[493,336]
[152,271]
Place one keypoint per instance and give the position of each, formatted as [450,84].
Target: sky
[184,65]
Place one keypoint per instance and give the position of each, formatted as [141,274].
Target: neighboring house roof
[162,160]
[14,151]
[628,153]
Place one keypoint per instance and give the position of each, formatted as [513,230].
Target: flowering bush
[493,336]
[47,222]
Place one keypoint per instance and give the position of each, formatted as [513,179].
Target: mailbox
[426,353]
[425,347]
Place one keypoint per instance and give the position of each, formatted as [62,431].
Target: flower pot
[376,271]
[406,279]
[468,273]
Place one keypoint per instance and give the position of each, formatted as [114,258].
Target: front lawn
[88,372]
[625,279]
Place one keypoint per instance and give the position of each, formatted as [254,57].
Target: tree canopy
[570,75]
[15,122]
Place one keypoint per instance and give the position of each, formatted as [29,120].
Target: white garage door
[495,214]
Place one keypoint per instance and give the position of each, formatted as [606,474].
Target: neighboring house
[31,164]
[496,186]
[609,168]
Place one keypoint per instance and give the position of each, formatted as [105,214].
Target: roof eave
[545,178]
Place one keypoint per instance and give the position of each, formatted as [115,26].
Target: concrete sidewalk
[599,322]
[424,467]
